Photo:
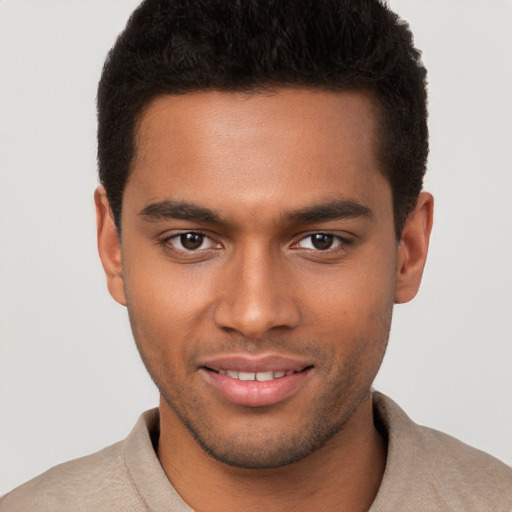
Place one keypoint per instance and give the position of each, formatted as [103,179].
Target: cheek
[353,294]
[168,308]
[352,309]
[166,292]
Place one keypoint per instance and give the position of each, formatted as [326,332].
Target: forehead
[291,146]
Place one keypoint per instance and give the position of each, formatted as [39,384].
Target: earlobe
[413,248]
[109,246]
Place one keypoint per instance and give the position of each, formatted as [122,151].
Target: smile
[259,376]
[256,382]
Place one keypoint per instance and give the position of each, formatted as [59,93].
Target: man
[259,215]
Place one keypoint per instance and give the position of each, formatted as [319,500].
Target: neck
[344,474]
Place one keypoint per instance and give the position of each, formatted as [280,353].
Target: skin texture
[256,286]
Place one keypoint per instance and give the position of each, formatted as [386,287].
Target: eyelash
[167,242]
[340,243]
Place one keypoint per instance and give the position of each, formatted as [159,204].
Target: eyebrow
[332,210]
[181,210]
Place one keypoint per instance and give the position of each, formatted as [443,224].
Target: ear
[109,246]
[413,248]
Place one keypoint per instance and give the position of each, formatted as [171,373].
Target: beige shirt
[425,471]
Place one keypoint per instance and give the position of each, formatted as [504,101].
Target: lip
[255,364]
[255,393]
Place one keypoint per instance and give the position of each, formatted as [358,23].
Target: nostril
[252,306]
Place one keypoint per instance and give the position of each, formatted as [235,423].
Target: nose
[255,295]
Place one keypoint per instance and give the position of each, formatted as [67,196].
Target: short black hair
[180,46]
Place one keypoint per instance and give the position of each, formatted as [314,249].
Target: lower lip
[254,393]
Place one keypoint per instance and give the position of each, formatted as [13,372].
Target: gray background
[70,377]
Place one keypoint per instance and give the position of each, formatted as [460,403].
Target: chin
[258,447]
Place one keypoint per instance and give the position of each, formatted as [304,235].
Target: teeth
[263,376]
[259,376]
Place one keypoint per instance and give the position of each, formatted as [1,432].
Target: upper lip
[255,364]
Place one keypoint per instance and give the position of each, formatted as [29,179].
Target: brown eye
[322,241]
[191,241]
[190,246]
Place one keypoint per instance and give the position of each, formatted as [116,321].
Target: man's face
[258,244]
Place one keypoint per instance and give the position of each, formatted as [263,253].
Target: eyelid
[335,243]
[167,238]
[342,243]
[343,238]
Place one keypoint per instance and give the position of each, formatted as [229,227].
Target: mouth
[256,382]
[262,376]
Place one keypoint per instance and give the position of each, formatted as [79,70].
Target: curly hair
[180,46]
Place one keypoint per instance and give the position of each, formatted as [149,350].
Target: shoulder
[458,466]
[126,476]
[436,471]
[94,482]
